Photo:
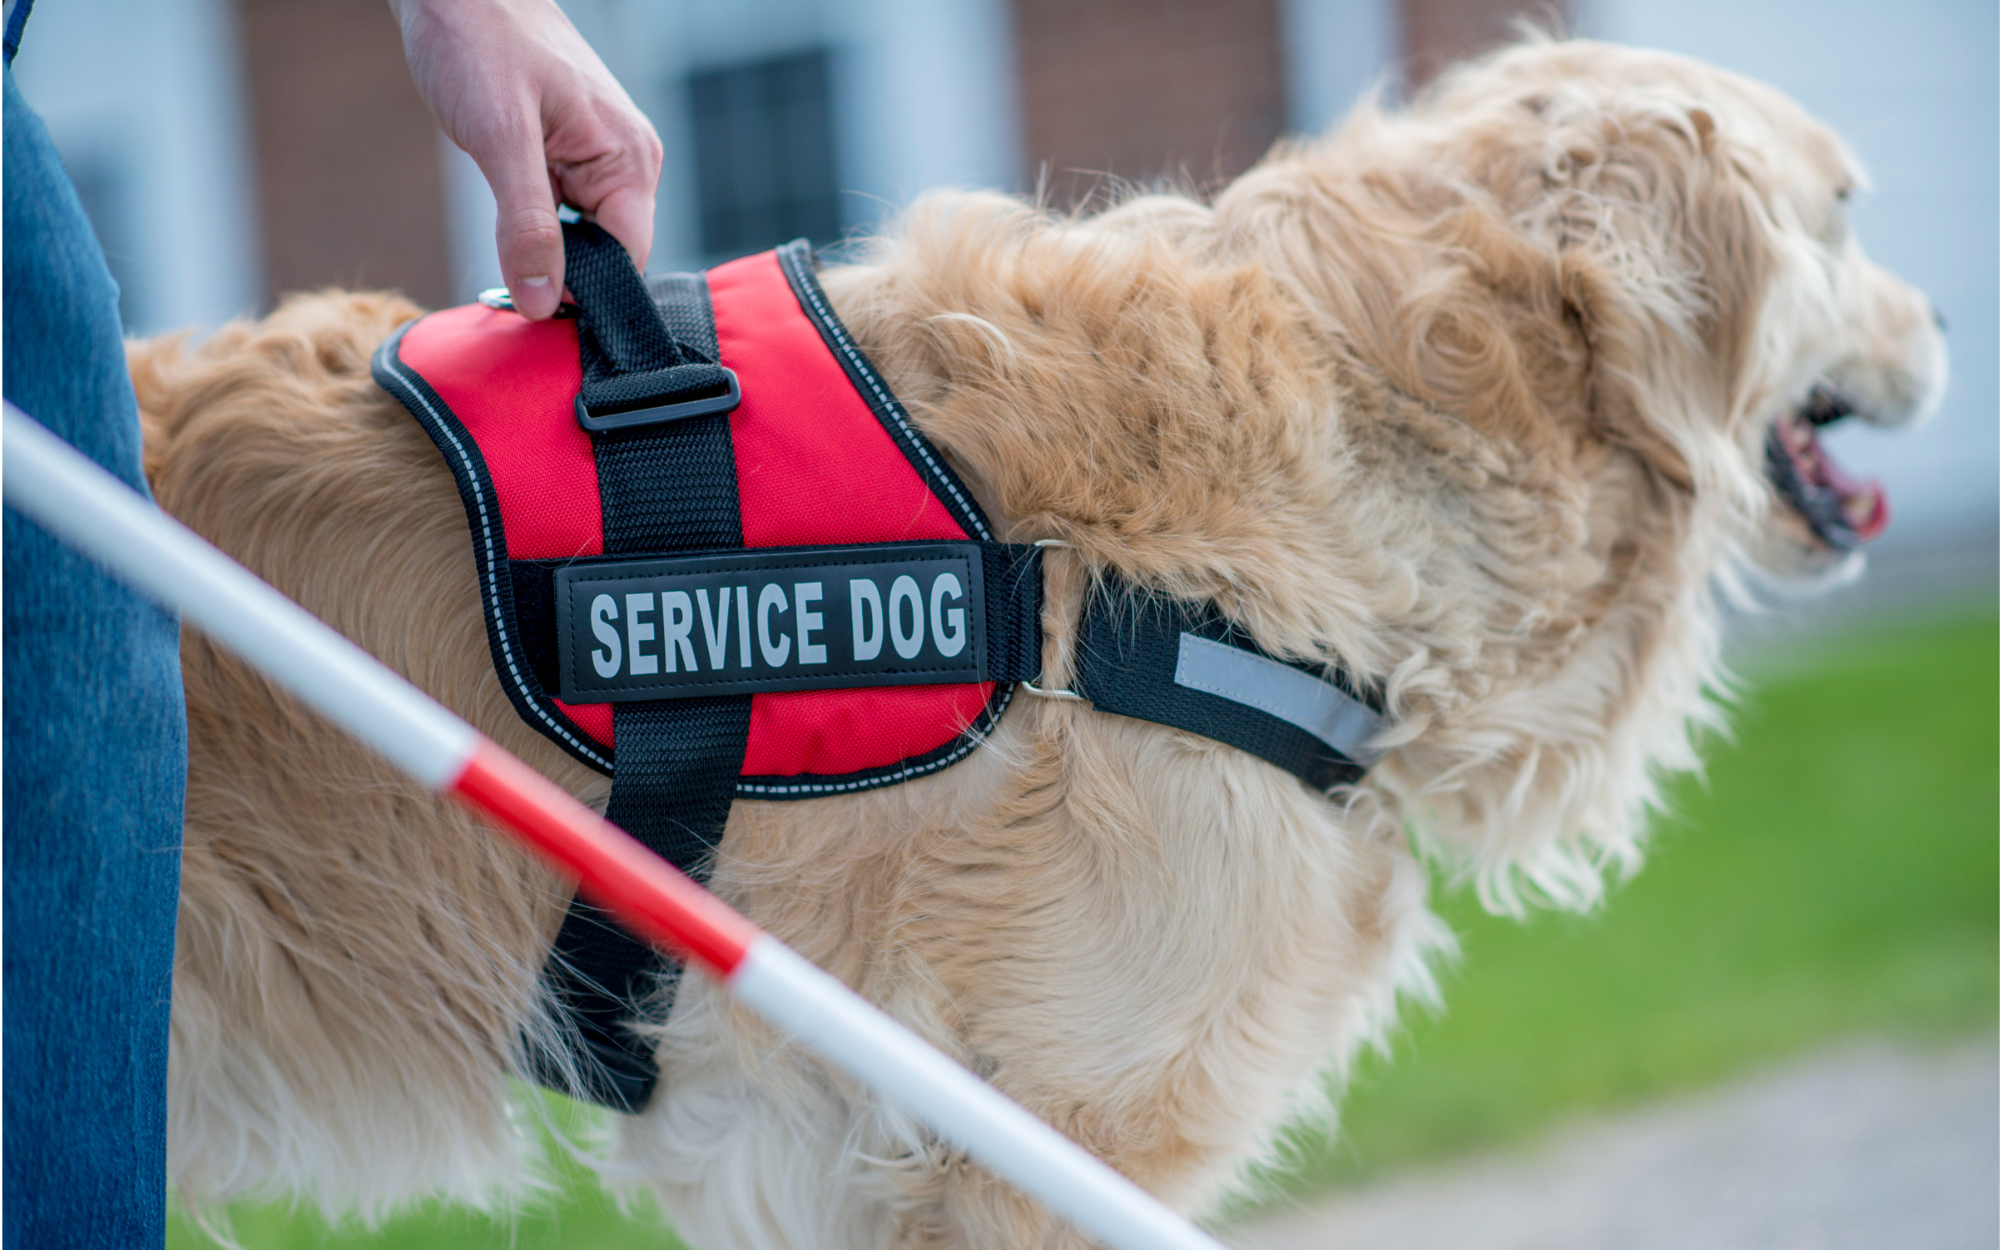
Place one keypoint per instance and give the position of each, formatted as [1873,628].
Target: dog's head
[1480,397]
[1620,288]
[1700,222]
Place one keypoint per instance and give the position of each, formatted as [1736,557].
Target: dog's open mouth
[1841,512]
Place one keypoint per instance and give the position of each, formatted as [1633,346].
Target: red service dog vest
[823,455]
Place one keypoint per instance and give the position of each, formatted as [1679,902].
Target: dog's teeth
[1859,509]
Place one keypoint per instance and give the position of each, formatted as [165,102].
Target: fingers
[605,159]
[626,214]
[514,85]
[528,234]
[617,193]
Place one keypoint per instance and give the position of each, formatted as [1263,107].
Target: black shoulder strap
[1185,665]
[656,402]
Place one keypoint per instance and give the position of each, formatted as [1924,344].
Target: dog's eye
[1834,229]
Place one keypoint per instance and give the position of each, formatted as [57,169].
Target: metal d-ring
[499,297]
[1031,687]
[1040,693]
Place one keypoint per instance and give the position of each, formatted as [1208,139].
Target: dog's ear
[1665,253]
[1564,250]
[1637,214]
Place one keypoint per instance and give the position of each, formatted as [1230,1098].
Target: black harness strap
[656,403]
[1186,665]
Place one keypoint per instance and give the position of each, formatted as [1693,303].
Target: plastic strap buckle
[660,414]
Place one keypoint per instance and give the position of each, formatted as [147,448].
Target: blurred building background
[230,150]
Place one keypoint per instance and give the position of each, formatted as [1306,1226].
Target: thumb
[528,233]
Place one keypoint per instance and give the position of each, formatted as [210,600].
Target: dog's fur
[1471,396]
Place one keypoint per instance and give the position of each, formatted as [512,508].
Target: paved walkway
[1868,1148]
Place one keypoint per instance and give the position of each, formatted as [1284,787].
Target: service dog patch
[818,618]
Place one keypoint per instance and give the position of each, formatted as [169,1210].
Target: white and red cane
[59,489]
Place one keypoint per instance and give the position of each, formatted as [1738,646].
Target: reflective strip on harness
[1130,660]
[1311,702]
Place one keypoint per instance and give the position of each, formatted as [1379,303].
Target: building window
[764,154]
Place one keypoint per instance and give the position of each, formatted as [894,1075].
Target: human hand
[512,83]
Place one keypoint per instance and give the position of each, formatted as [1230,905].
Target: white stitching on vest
[490,577]
[971,738]
[894,409]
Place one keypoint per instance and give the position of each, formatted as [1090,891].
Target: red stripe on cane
[645,892]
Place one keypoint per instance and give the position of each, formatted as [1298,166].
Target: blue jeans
[95,768]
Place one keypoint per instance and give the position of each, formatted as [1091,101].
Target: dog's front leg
[1153,942]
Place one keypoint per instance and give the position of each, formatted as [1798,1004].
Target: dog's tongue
[1864,504]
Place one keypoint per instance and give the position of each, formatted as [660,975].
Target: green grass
[574,1215]
[1835,876]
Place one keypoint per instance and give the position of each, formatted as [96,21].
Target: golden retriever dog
[1488,399]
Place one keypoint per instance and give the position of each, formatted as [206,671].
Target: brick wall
[350,187]
[1143,89]
[1439,32]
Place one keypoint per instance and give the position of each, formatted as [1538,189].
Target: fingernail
[532,297]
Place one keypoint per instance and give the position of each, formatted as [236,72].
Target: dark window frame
[764,153]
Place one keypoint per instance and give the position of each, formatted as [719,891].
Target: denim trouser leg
[95,762]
